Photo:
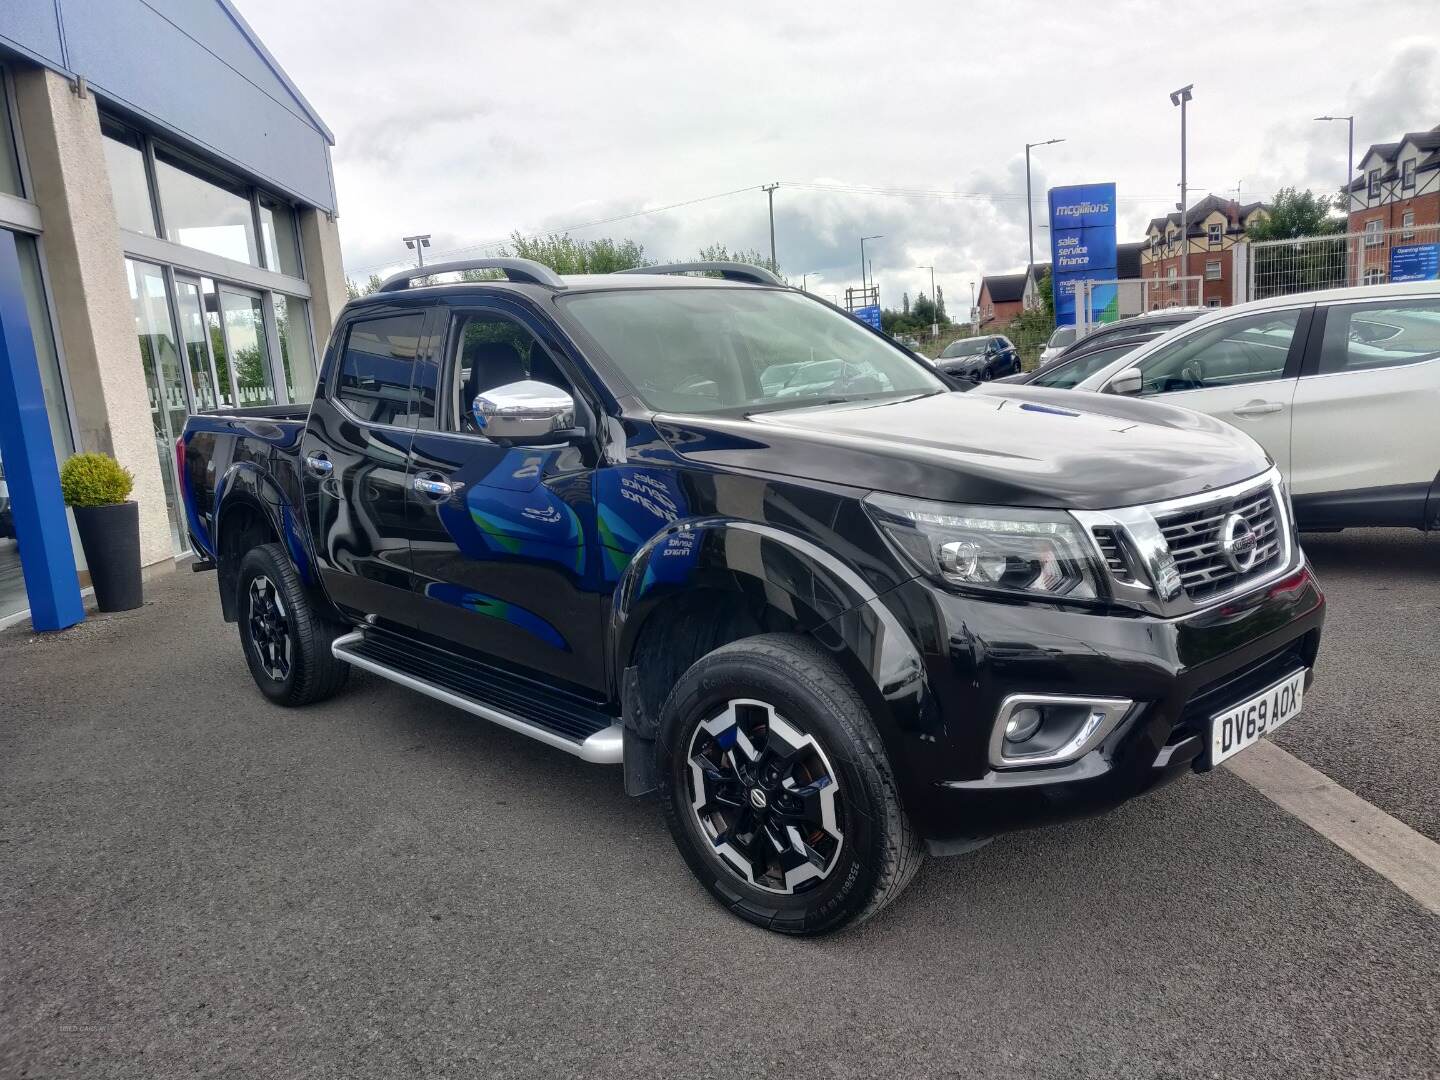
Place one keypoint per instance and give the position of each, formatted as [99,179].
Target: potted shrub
[97,488]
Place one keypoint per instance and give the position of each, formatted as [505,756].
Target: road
[196,883]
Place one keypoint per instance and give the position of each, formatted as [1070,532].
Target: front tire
[286,641]
[777,789]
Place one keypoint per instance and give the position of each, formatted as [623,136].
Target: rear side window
[377,366]
[1390,334]
[1249,349]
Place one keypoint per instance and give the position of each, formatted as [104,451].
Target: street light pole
[1349,158]
[769,190]
[934,304]
[418,244]
[1180,97]
[1029,204]
[973,319]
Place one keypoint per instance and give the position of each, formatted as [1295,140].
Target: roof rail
[730,271]
[525,270]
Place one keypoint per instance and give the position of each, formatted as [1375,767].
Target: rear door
[1367,410]
[354,458]
[1241,370]
[501,563]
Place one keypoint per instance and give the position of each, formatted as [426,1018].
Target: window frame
[1314,356]
[1374,232]
[1299,345]
[1219,270]
[1407,225]
[1372,189]
[1407,175]
[335,357]
[1215,234]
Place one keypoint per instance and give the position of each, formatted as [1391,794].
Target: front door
[499,531]
[1241,370]
[353,460]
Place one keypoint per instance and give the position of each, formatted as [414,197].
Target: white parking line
[1405,858]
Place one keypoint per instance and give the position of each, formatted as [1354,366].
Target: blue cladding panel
[193,72]
[46,560]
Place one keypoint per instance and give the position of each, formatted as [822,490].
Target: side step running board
[545,715]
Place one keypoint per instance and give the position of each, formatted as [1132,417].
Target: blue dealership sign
[869,314]
[1082,247]
[1415,262]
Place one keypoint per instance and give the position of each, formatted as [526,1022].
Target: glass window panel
[1250,349]
[244,320]
[125,162]
[9,154]
[163,379]
[210,299]
[292,325]
[1388,334]
[194,335]
[204,213]
[277,230]
[375,368]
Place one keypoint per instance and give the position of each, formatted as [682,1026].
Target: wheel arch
[700,585]
[251,510]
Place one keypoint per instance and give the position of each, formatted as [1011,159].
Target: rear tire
[286,641]
[777,789]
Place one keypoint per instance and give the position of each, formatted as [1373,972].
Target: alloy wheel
[766,797]
[269,628]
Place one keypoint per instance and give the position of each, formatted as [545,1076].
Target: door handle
[436,489]
[1261,408]
[321,464]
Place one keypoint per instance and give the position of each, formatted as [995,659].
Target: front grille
[1194,536]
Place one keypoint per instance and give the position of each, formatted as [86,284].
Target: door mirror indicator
[1128,381]
[523,410]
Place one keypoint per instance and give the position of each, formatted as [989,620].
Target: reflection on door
[194,334]
[243,317]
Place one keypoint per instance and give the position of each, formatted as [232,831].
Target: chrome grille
[1108,540]
[1194,538]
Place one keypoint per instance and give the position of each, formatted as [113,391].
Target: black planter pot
[110,536]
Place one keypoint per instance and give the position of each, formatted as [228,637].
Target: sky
[471,119]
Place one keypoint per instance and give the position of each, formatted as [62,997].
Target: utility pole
[769,190]
[1349,160]
[1181,97]
[418,244]
[934,303]
[863,280]
[974,315]
[1029,204]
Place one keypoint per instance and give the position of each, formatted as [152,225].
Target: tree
[751,256]
[354,292]
[906,306]
[1307,264]
[1297,213]
[566,255]
[942,317]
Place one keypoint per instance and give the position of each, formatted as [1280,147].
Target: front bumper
[1178,672]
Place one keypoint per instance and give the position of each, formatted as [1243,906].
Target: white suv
[1342,387]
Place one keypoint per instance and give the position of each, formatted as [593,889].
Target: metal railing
[1371,257]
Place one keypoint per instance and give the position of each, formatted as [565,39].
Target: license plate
[1251,721]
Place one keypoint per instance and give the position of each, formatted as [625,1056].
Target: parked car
[1341,387]
[1060,340]
[979,359]
[832,631]
[1067,373]
[1136,328]
[1097,350]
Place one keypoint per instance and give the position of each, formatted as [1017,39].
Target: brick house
[1398,188]
[1002,297]
[1214,226]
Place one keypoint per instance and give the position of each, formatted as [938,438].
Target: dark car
[1069,372]
[1135,329]
[979,359]
[832,629]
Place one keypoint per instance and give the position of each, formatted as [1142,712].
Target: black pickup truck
[721,533]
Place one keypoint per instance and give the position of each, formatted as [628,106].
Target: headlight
[1039,553]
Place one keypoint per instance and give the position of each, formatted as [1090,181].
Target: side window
[489,351]
[1249,349]
[1363,336]
[376,367]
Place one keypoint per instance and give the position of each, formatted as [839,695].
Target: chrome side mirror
[1129,381]
[523,410]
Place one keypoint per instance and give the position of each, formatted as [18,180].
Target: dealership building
[167,244]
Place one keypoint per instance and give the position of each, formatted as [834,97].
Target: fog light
[1023,724]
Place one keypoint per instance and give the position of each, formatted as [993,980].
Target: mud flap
[640,731]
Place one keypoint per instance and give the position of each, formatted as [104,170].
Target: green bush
[95,480]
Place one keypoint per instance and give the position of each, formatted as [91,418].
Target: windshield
[1066,374]
[964,347]
[1063,336]
[711,350]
